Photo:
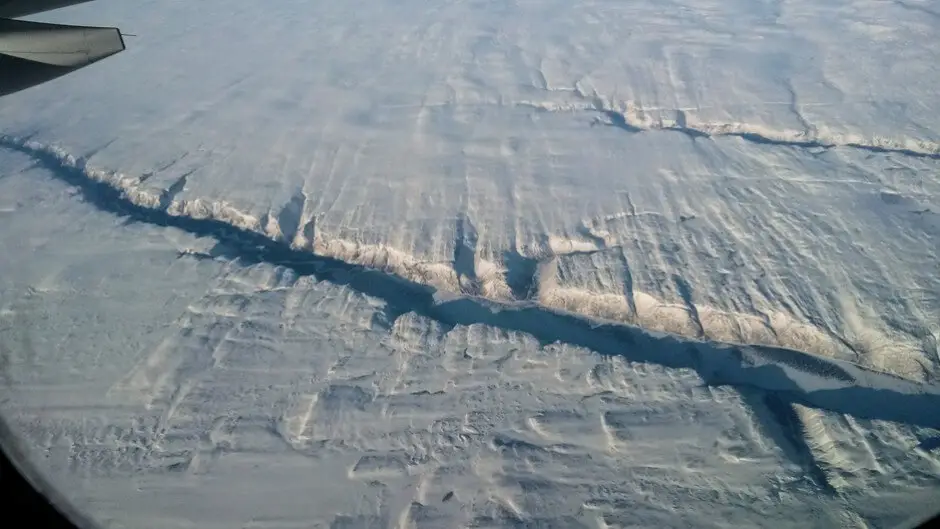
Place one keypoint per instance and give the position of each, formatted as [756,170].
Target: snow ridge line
[631,118]
[794,376]
[917,8]
[133,191]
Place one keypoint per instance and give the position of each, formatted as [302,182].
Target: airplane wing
[32,53]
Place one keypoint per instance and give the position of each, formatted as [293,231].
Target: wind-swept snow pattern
[484,264]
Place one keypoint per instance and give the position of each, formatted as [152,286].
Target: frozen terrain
[492,263]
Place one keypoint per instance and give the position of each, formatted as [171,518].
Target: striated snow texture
[480,263]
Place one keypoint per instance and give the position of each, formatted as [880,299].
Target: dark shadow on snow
[773,377]
[521,274]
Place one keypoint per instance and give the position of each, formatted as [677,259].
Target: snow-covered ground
[492,263]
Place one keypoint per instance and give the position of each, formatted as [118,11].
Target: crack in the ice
[782,424]
[149,174]
[918,8]
[810,143]
[618,120]
[520,274]
[465,255]
[808,128]
[628,283]
[794,376]
[753,137]
[290,218]
[167,196]
[888,150]
[682,125]
[807,139]
[685,292]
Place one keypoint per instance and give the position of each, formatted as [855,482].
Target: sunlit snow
[480,263]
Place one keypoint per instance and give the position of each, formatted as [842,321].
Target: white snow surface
[480,263]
